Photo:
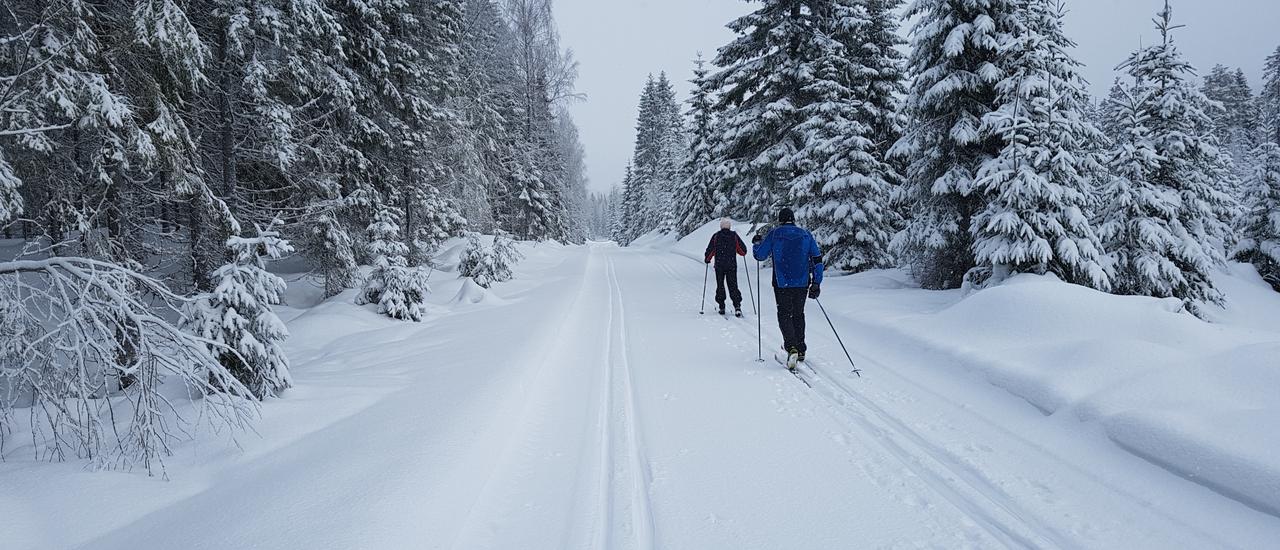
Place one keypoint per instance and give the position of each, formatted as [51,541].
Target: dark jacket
[797,262]
[724,244]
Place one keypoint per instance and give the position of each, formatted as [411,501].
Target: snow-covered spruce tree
[329,247]
[842,188]
[957,58]
[672,152]
[876,49]
[1260,243]
[505,256]
[573,166]
[630,207]
[658,160]
[243,334]
[399,290]
[617,228]
[478,262]
[642,169]
[437,220]
[1037,215]
[1235,118]
[1111,111]
[763,84]
[695,196]
[1269,99]
[1164,220]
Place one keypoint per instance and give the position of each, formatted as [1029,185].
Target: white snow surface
[587,404]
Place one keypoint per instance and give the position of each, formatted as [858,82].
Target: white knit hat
[725,223]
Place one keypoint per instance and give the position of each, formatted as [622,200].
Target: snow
[585,404]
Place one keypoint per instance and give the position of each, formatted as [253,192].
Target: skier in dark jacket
[725,247]
[797,273]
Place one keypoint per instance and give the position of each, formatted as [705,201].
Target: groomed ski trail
[589,406]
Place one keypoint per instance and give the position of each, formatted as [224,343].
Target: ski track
[938,473]
[962,484]
[612,460]
[641,528]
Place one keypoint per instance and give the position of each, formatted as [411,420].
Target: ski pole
[705,271]
[837,333]
[750,291]
[759,347]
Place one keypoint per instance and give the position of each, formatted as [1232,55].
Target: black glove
[708,261]
[756,239]
[814,291]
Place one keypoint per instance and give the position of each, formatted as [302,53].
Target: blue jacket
[797,262]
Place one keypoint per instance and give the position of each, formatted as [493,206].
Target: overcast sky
[619,42]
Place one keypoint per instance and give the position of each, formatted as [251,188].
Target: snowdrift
[471,293]
[693,245]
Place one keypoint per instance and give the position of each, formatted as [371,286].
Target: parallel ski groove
[1010,535]
[643,524]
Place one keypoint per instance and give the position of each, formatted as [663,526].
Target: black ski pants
[791,317]
[728,277]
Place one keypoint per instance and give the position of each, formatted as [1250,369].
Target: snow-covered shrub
[505,256]
[92,347]
[1260,244]
[399,290]
[236,318]
[330,248]
[488,265]
[477,261]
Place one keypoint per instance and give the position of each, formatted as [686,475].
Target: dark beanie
[786,216]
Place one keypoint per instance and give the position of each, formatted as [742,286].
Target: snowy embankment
[361,379]
[1197,398]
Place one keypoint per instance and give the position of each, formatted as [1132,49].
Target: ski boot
[721,310]
[793,358]
[737,311]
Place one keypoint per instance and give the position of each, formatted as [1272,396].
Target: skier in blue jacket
[797,273]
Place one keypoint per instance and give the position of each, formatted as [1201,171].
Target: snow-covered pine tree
[957,59]
[399,290]
[841,190]
[617,227]
[487,104]
[885,78]
[1164,224]
[1037,216]
[1111,111]
[330,247]
[763,83]
[1235,117]
[695,197]
[1260,242]
[642,169]
[478,262]
[244,335]
[672,152]
[437,220]
[1269,99]
[505,256]
[629,210]
[573,177]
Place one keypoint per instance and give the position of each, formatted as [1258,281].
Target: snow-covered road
[588,405]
